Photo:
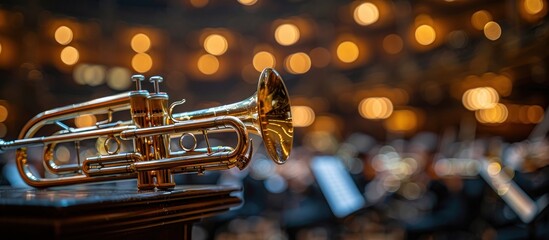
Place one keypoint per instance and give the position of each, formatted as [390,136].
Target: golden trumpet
[266,113]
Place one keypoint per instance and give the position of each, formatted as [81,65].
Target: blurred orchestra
[423,119]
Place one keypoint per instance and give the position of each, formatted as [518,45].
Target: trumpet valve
[156,80]
[138,79]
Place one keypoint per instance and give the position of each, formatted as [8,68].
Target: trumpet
[151,128]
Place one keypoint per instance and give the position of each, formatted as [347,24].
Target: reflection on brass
[266,113]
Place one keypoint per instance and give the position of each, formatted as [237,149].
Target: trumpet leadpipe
[103,105]
[77,136]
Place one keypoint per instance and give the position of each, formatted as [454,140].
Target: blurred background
[415,119]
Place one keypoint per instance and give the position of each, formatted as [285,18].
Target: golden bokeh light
[216,44]
[375,108]
[142,62]
[94,75]
[118,78]
[393,44]
[533,7]
[86,120]
[287,34]
[501,82]
[62,154]
[532,10]
[480,98]
[534,114]
[247,2]
[298,63]
[263,60]
[492,30]
[3,113]
[366,13]
[497,114]
[69,55]
[347,52]
[78,73]
[63,35]
[302,116]
[526,114]
[208,64]
[480,18]
[493,168]
[140,43]
[523,114]
[402,121]
[328,124]
[425,34]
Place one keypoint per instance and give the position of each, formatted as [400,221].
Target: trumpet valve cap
[156,80]
[138,78]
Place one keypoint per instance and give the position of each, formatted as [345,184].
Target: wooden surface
[109,212]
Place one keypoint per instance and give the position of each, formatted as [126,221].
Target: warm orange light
[425,34]
[532,10]
[118,78]
[142,62]
[393,44]
[86,120]
[94,75]
[366,13]
[247,2]
[493,168]
[402,121]
[263,60]
[480,18]
[535,114]
[208,64]
[497,114]
[375,108]
[69,55]
[62,154]
[492,31]
[3,113]
[63,35]
[140,43]
[302,116]
[480,98]
[216,44]
[287,34]
[533,7]
[326,124]
[347,52]
[298,63]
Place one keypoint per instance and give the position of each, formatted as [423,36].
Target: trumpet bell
[274,115]
[266,113]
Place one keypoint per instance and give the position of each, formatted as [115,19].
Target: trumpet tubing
[151,161]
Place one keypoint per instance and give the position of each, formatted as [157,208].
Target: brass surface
[266,113]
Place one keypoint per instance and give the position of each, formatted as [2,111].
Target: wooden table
[107,212]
